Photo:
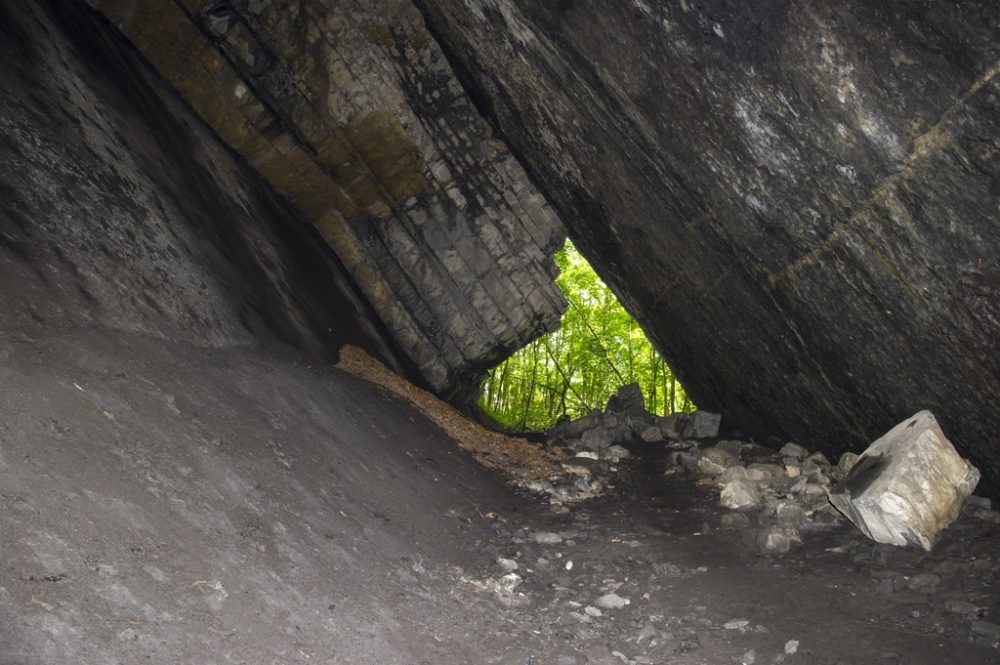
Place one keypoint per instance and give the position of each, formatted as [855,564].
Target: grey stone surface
[797,201]
[704,425]
[907,486]
[351,111]
[627,400]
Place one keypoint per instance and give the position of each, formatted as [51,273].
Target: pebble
[736,624]
[611,601]
[987,629]
[793,450]
[791,647]
[592,611]
[546,538]
[962,607]
[586,454]
[734,521]
[509,582]
[508,565]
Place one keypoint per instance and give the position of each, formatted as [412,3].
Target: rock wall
[120,210]
[350,110]
[798,201]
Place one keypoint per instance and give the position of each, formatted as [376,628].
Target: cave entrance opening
[566,374]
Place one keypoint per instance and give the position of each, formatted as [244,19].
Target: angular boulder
[907,486]
[628,400]
[704,425]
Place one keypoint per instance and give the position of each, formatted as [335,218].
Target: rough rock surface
[119,209]
[795,200]
[907,486]
[351,111]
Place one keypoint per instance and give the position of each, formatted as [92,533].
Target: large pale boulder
[906,486]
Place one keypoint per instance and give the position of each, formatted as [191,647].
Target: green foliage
[597,349]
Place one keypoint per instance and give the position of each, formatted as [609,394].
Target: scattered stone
[509,582]
[793,450]
[749,658]
[587,454]
[592,611]
[790,514]
[715,461]
[674,426]
[546,538]
[652,434]
[846,463]
[907,486]
[615,453]
[647,632]
[962,607]
[791,647]
[507,565]
[628,400]
[736,624]
[735,521]
[600,437]
[774,541]
[704,425]
[611,601]
[987,629]
[739,494]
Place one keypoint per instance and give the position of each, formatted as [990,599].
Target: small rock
[615,452]
[592,611]
[774,541]
[597,438]
[793,450]
[847,462]
[749,658]
[509,582]
[791,647]
[740,494]
[611,601]
[704,425]
[793,467]
[734,521]
[652,434]
[546,538]
[648,632]
[587,454]
[819,459]
[507,565]
[987,629]
[736,624]
[962,607]
[715,461]
[790,514]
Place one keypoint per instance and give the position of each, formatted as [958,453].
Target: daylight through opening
[568,373]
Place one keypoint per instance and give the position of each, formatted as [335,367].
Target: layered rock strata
[350,110]
[797,201]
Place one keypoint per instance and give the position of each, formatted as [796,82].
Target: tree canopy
[597,349]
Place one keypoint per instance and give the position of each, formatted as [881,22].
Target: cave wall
[351,111]
[797,200]
[120,210]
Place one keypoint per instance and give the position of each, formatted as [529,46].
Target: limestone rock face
[351,112]
[794,199]
[906,486]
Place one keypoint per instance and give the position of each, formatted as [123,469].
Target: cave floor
[162,503]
